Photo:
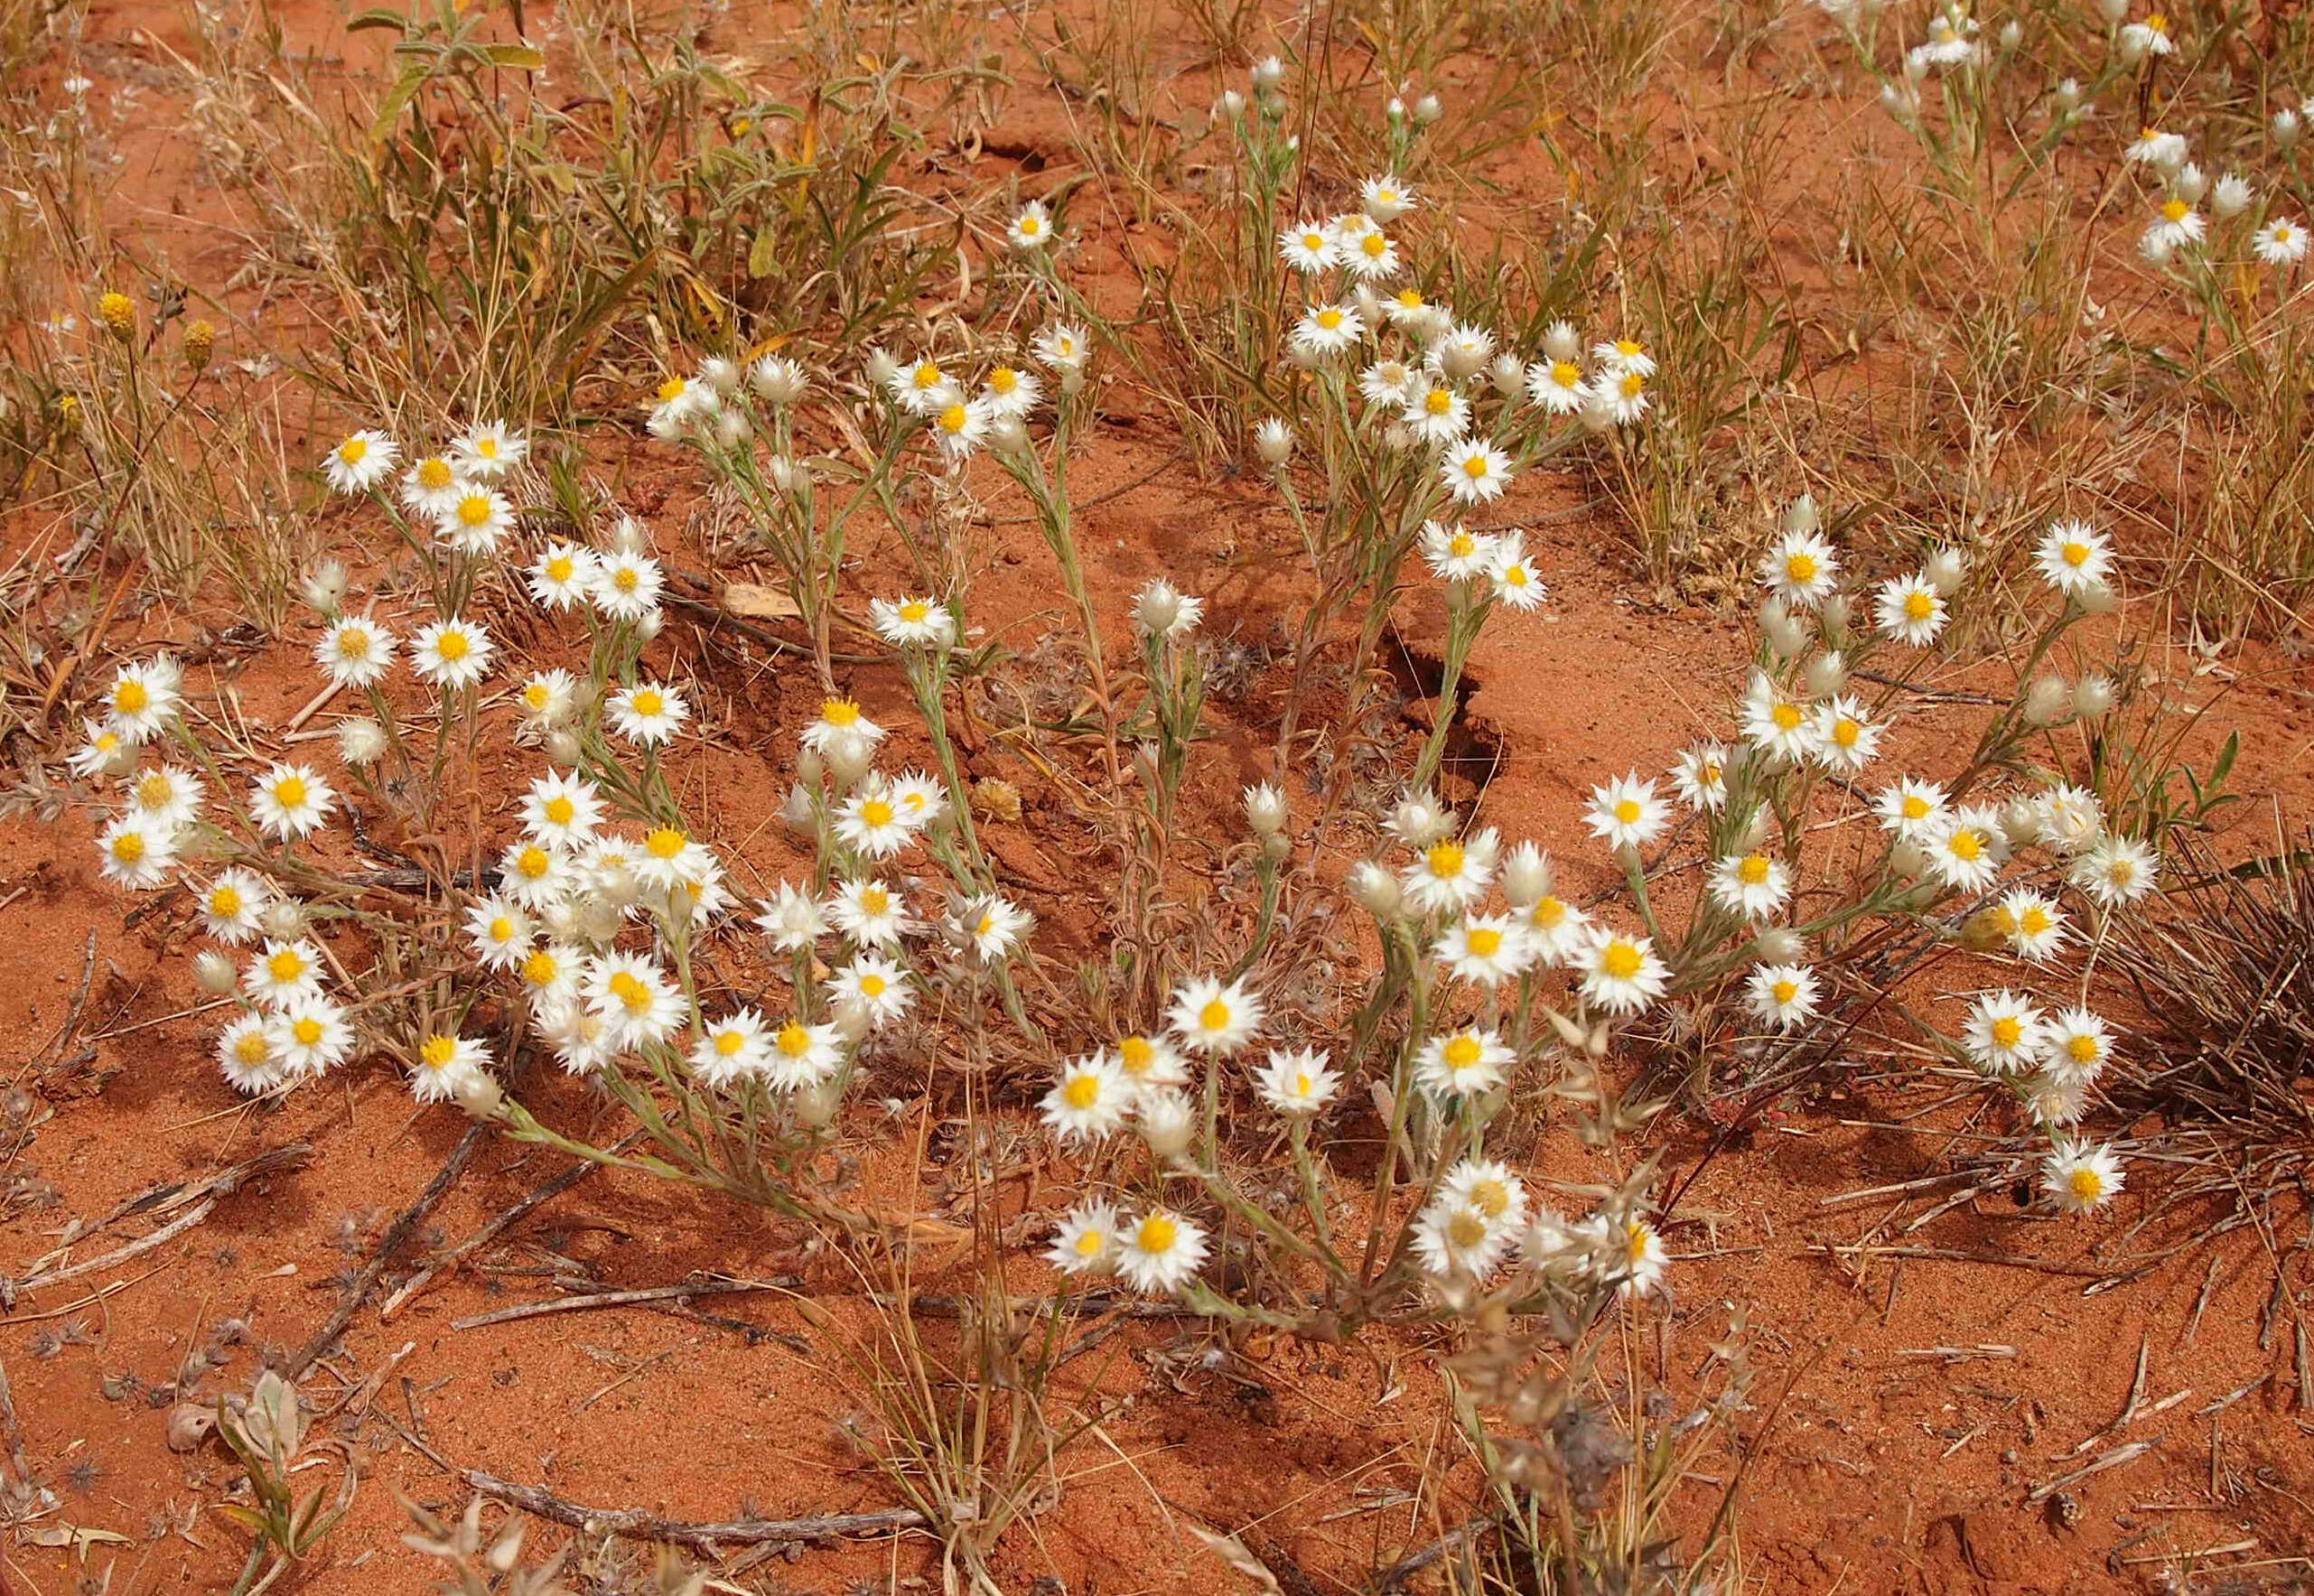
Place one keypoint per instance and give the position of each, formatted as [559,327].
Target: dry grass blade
[1233,1552]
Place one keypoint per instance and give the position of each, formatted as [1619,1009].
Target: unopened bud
[284,919]
[1377,888]
[1826,674]
[562,746]
[1168,1123]
[1946,570]
[324,588]
[1274,442]
[1779,944]
[362,740]
[1509,376]
[1427,109]
[2047,701]
[2020,823]
[1527,876]
[2092,696]
[213,972]
[799,812]
[1800,518]
[199,344]
[2099,600]
[1265,809]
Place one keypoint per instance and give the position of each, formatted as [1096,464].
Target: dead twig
[496,1227]
[634,1524]
[653,1293]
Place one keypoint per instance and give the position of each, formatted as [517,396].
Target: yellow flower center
[1090,1243]
[155,790]
[873,985]
[2007,1031]
[1484,942]
[839,712]
[1313,241]
[224,901]
[1786,716]
[253,1049]
[729,1042]
[289,792]
[1514,576]
[1549,912]
[1462,1052]
[1627,811]
[537,694]
[540,969]
[794,1039]
[2120,873]
[1157,1234]
[2074,553]
[2082,1048]
[1566,373]
[1476,466]
[987,923]
[926,375]
[501,928]
[354,451]
[2175,209]
[1800,567]
[1082,1091]
[914,611]
[1031,227]
[1439,401]
[1467,1228]
[649,702]
[2034,920]
[128,847]
[874,901]
[1491,1198]
[1330,318]
[665,842]
[1626,347]
[1374,244]
[452,647]
[285,965]
[1621,960]
[1631,384]
[1753,870]
[487,447]
[130,698]
[354,643]
[1445,860]
[877,811]
[1301,1083]
[1409,299]
[559,810]
[1967,845]
[1214,1016]
[307,1030]
[434,475]
[2158,22]
[1784,992]
[104,741]
[626,579]
[1463,545]
[1915,807]
[1918,605]
[2085,1185]
[1637,1239]
[436,1052]
[1845,732]
[532,862]
[474,510]
[953,419]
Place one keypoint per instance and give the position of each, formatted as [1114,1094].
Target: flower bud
[324,588]
[1274,442]
[2068,95]
[213,972]
[732,428]
[284,919]
[2285,128]
[720,375]
[1526,876]
[2092,696]
[1787,633]
[562,746]
[2230,198]
[1779,944]
[1268,72]
[848,762]
[1428,111]
[1800,518]
[810,767]
[1507,375]
[1833,615]
[1265,809]
[653,623]
[199,344]
[2047,701]
[799,812]
[2020,822]
[816,1104]
[1906,859]
[882,368]
[2190,183]
[1460,362]
[600,922]
[360,740]
[479,1094]
[2012,35]
[1168,1122]
[1233,104]
[1826,674]
[2114,11]
[1377,888]
[1008,437]
[2099,600]
[1563,343]
[1395,110]
[1945,570]
[562,921]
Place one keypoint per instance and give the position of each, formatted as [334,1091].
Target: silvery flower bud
[323,587]
[1265,809]
[1833,615]
[360,740]
[2047,701]
[1397,437]
[2092,696]
[1908,860]
[1395,110]
[284,919]
[2020,823]
[653,623]
[851,1021]
[798,811]
[2191,183]
[1168,1123]
[2099,600]
[816,1104]
[720,375]
[732,428]
[1800,518]
[2230,198]
[600,921]
[848,763]
[2285,127]
[1427,109]
[882,368]
[2012,35]
[809,768]
[1785,633]
[479,1094]
[1008,437]
[2114,11]
[562,921]
[1509,376]
[1779,944]
[1826,674]
[789,476]
[1377,888]
[1233,104]
[562,746]
[1527,876]
[1268,72]
[1946,570]
[1274,442]
[213,972]
[1563,343]
[2068,95]
[1460,363]
[629,537]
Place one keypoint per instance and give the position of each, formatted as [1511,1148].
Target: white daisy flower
[431,488]
[1626,813]
[1557,385]
[1557,929]
[1516,582]
[477,521]
[921,386]
[1327,330]
[103,751]
[2074,559]
[1782,995]
[1639,1259]
[291,801]
[1409,309]
[284,973]
[1159,1251]
[873,989]
[2166,151]
[1296,1083]
[2003,1033]
[2150,37]
[1307,247]
[167,798]
[1621,974]
[1384,198]
[1213,1017]
[647,713]
[1963,853]
[842,734]
[780,380]
[2076,1046]
[488,452]
[1435,412]
[1032,228]
[869,912]
[1010,393]
[313,1036]
[1614,398]
[1474,471]
[1161,610]
[1800,570]
[1751,886]
[1774,723]
[534,877]
[1462,352]
[2179,226]
[1451,875]
[1465,1063]
[1701,778]
[2072,818]
[1085,1241]
[448,1066]
[136,853]
[2053,1100]
[960,428]
[551,974]
[359,464]
[2034,924]
[451,654]
[2117,871]
[1371,258]
[1151,1063]
[1623,354]
[1488,1186]
[2079,1178]
[1418,819]
[1451,1239]
[922,797]
[355,651]
[498,933]
[731,1049]
[1912,808]
[626,586]
[1486,949]
[792,918]
[1062,347]
[233,905]
[1089,1101]
[546,697]
[562,575]
[250,1053]
[145,698]
[2281,242]
[1843,740]
[634,1000]
[1910,611]
[561,811]
[870,823]
[1387,385]
[992,928]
